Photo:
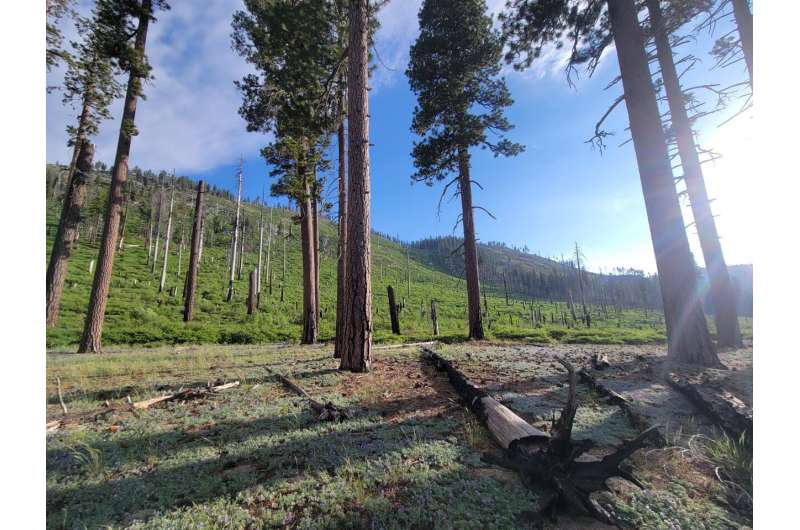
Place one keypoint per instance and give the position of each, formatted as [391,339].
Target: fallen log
[325,411]
[722,407]
[191,393]
[547,461]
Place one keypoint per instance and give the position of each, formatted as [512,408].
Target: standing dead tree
[251,292]
[434,318]
[234,242]
[167,238]
[194,256]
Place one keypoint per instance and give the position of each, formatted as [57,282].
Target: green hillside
[138,314]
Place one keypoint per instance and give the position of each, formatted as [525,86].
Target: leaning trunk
[722,296]
[194,255]
[687,335]
[356,348]
[95,315]
[470,248]
[64,242]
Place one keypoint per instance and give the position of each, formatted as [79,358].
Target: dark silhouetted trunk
[393,311]
[434,319]
[194,255]
[95,314]
[357,344]
[470,248]
[722,295]
[505,286]
[64,242]
[744,23]
[251,293]
[341,282]
[687,333]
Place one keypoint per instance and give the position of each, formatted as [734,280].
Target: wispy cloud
[189,119]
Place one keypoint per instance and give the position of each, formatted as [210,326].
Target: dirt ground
[403,405]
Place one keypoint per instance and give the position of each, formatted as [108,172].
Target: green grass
[137,314]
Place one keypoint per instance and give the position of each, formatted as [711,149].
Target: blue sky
[557,192]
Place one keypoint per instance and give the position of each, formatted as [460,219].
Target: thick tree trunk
[357,344]
[393,311]
[235,240]
[194,255]
[434,319]
[722,296]
[310,308]
[251,293]
[470,248]
[744,23]
[64,242]
[95,314]
[167,238]
[341,281]
[688,337]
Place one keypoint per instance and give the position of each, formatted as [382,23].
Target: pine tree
[454,71]
[118,21]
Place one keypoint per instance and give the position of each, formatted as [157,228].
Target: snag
[325,412]
[551,462]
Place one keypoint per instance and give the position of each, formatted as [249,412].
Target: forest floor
[256,456]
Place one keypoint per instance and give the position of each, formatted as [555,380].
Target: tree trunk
[158,229]
[95,315]
[121,245]
[434,319]
[309,273]
[251,293]
[269,254]
[167,238]
[408,276]
[688,337]
[64,242]
[315,227]
[470,248]
[505,286]
[151,227]
[242,250]
[744,23]
[393,311]
[283,274]
[341,282]
[180,256]
[194,255]
[357,343]
[235,241]
[722,296]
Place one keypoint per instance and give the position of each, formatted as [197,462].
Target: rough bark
[309,269]
[470,248]
[744,23]
[341,282]
[315,228]
[722,295]
[167,239]
[235,241]
[688,337]
[194,255]
[64,242]
[357,344]
[393,311]
[95,314]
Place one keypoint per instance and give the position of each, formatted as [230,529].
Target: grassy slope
[138,314]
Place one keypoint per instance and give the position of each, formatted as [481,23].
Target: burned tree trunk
[688,338]
[434,319]
[194,255]
[744,23]
[95,314]
[251,293]
[64,242]
[357,344]
[722,295]
[167,239]
[470,248]
[393,311]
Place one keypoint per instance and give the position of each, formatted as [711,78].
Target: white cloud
[189,119]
